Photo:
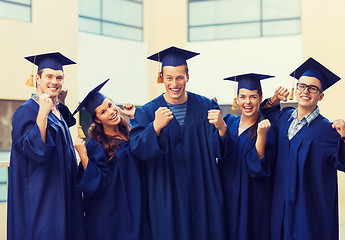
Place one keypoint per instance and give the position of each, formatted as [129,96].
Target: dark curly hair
[110,144]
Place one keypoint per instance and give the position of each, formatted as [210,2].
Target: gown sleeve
[97,177]
[262,167]
[334,148]
[271,113]
[26,136]
[143,140]
[221,144]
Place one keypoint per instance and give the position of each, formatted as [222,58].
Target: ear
[321,96]
[97,120]
[187,77]
[37,78]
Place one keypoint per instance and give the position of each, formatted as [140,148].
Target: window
[229,19]
[113,18]
[16,9]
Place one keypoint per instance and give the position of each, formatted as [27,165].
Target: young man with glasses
[310,150]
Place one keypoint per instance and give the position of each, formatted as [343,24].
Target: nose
[174,82]
[247,100]
[54,80]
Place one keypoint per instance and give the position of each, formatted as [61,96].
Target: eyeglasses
[311,88]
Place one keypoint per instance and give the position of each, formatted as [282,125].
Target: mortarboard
[92,100]
[53,61]
[313,68]
[173,56]
[250,81]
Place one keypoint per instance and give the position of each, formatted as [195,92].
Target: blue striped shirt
[179,111]
[295,126]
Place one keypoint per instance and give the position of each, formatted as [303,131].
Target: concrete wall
[100,58]
[277,56]
[323,39]
[164,26]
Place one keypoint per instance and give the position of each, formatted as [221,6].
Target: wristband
[270,103]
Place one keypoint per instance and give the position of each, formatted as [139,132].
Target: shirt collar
[309,117]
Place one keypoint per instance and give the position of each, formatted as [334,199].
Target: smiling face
[49,81]
[306,99]
[107,114]
[175,80]
[249,102]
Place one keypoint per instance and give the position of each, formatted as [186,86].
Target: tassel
[159,78]
[30,81]
[234,105]
[291,93]
[80,133]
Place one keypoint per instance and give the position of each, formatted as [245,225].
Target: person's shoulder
[201,100]
[231,118]
[26,110]
[153,104]
[92,145]
[286,111]
[321,122]
[198,97]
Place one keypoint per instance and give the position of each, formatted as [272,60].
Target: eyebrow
[241,94]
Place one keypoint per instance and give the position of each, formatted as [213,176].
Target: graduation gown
[113,195]
[246,183]
[42,201]
[67,115]
[305,190]
[184,191]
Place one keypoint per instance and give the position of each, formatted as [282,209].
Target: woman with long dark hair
[248,149]
[110,176]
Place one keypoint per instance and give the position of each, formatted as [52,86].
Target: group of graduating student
[178,170]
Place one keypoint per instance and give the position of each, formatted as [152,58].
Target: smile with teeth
[113,117]
[305,97]
[175,90]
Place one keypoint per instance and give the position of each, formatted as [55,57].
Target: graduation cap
[250,81]
[172,56]
[53,61]
[92,100]
[313,68]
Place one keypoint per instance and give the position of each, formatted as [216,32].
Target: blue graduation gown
[246,183]
[42,201]
[113,195]
[305,190]
[185,198]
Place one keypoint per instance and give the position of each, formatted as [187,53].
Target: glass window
[4,162]
[114,18]
[227,19]
[16,9]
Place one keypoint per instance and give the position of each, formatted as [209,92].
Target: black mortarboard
[313,68]
[92,100]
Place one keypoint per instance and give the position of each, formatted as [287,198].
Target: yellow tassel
[30,81]
[234,105]
[291,94]
[80,132]
[159,78]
